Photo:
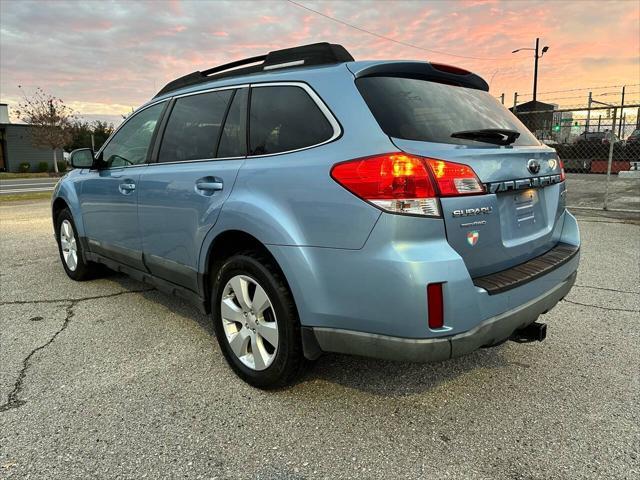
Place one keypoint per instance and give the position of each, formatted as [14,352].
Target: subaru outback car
[313,203]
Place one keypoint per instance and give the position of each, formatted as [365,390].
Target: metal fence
[599,145]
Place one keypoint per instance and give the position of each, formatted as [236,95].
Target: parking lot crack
[611,309]
[606,289]
[81,299]
[13,399]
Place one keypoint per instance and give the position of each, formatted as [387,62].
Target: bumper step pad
[517,276]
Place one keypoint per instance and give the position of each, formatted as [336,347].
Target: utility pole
[586,126]
[538,55]
[515,102]
[535,72]
[502,98]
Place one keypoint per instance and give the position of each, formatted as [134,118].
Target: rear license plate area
[525,203]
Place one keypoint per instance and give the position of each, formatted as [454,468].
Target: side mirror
[81,158]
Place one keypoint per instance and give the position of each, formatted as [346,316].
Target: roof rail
[314,54]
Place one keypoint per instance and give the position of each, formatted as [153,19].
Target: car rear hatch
[520,220]
[518,216]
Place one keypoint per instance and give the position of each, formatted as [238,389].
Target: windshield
[414,109]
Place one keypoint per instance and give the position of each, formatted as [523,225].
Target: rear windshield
[414,109]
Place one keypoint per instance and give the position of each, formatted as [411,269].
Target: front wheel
[256,321]
[70,249]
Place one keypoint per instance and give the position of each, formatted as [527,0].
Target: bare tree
[50,120]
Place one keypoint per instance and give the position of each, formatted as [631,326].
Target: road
[109,379]
[27,185]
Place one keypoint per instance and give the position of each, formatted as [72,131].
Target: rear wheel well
[227,244]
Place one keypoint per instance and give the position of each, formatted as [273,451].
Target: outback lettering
[523,183]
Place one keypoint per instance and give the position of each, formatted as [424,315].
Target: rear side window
[414,109]
[284,118]
[233,141]
[194,126]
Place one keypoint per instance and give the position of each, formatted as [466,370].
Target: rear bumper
[489,332]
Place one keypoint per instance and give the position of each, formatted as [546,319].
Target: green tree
[101,132]
[82,131]
[80,135]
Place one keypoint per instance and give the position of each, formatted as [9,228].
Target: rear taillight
[401,183]
[435,305]
[455,179]
[395,182]
[562,174]
[450,69]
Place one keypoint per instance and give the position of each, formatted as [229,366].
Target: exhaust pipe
[535,332]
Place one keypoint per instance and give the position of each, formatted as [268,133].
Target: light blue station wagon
[313,203]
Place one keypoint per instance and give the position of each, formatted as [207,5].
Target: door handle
[127,187]
[209,186]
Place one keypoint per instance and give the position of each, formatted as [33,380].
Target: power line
[399,42]
[604,94]
[584,89]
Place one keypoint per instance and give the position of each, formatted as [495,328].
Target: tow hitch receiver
[536,332]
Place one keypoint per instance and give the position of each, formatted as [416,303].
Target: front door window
[130,144]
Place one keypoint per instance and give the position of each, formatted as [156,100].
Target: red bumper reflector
[435,305]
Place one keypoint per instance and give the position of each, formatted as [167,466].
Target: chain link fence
[599,145]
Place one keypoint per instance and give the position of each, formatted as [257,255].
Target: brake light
[435,305]
[395,182]
[450,69]
[455,179]
[402,183]
[562,174]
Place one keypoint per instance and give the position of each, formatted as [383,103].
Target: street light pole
[537,56]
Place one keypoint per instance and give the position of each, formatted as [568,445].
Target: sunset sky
[104,58]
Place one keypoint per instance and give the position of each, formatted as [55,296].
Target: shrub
[62,165]
[43,166]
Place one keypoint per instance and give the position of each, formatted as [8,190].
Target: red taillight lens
[396,182]
[402,183]
[454,179]
[394,175]
[450,69]
[435,305]
[562,174]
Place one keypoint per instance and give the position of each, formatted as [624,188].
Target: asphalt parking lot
[109,379]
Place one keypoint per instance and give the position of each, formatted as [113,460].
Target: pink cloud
[268,19]
[139,46]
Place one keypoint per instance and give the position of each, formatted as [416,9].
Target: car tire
[70,249]
[244,329]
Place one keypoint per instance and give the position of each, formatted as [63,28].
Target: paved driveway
[109,379]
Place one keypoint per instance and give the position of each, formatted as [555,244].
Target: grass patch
[19,197]
[10,175]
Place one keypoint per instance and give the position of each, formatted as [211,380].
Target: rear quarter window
[284,118]
[194,125]
[415,109]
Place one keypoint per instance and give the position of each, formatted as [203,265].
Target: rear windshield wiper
[497,136]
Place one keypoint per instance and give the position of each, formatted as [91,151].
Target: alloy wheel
[68,245]
[249,322]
